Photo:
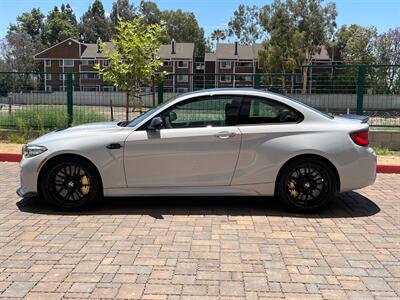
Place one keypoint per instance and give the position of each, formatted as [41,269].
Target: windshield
[142,117]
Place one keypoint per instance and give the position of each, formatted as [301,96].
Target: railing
[54,100]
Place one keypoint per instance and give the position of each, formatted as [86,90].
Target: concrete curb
[386,169]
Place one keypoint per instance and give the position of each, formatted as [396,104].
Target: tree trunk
[128,94]
[305,80]
[292,83]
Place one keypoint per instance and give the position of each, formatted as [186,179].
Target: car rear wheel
[306,185]
[70,183]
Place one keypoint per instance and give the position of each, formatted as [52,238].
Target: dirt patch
[388,160]
[10,148]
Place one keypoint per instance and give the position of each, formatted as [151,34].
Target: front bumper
[29,176]
[21,191]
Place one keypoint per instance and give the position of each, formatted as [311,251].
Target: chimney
[236,48]
[173,46]
[98,45]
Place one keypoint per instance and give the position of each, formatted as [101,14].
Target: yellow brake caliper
[292,189]
[85,185]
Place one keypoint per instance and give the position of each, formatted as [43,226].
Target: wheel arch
[64,156]
[313,156]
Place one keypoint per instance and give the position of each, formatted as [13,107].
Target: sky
[213,14]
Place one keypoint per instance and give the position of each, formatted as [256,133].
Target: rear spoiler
[362,119]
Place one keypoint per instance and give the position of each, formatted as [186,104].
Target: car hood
[80,131]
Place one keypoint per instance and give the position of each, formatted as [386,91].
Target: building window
[89,76]
[88,62]
[108,88]
[225,65]
[48,88]
[106,63]
[199,66]
[48,77]
[182,78]
[64,77]
[244,77]
[90,88]
[48,63]
[225,78]
[167,63]
[183,64]
[244,64]
[66,63]
[182,90]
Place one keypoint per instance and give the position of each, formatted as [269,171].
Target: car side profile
[209,142]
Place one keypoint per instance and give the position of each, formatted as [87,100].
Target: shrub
[45,119]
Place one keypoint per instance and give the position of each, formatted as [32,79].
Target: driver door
[198,145]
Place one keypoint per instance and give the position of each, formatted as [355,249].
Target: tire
[70,184]
[306,185]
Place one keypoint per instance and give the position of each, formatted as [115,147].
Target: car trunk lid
[357,118]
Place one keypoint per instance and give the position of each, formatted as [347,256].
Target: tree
[183,27]
[94,24]
[134,61]
[245,24]
[122,10]
[388,53]
[23,39]
[316,23]
[150,11]
[59,25]
[217,35]
[29,22]
[357,44]
[283,50]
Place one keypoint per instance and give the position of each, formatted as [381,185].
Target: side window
[202,112]
[264,111]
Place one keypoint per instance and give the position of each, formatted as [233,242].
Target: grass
[39,118]
[386,151]
[43,120]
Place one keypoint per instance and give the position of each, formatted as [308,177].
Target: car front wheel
[70,183]
[306,185]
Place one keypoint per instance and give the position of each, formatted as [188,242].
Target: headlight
[32,150]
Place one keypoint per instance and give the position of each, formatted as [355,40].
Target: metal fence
[39,101]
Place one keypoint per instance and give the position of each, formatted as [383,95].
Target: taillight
[360,137]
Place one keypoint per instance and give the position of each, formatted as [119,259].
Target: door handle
[225,134]
[114,146]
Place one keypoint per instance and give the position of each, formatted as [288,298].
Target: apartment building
[72,56]
[231,65]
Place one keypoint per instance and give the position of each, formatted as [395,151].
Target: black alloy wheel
[70,184]
[306,185]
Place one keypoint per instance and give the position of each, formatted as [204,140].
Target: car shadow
[345,205]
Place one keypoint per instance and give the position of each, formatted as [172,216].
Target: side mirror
[156,123]
[172,116]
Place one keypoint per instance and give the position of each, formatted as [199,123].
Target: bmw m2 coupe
[209,142]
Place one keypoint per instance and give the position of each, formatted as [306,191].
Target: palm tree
[217,35]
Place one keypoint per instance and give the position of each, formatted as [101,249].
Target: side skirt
[265,189]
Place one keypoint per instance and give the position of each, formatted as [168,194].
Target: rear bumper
[360,172]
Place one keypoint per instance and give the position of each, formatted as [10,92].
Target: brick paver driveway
[201,247]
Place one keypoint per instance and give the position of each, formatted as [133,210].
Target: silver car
[210,142]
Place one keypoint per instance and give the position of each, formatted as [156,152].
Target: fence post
[257,81]
[360,89]
[160,91]
[70,110]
